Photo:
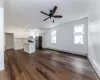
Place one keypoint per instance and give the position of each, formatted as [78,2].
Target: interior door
[9,41]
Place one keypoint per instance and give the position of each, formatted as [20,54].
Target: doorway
[9,41]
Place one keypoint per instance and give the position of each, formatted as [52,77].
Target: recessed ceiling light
[29,24]
[25,26]
[12,26]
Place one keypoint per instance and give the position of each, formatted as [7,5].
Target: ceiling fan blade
[46,19]
[54,10]
[57,16]
[44,13]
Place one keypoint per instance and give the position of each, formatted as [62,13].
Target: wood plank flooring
[47,65]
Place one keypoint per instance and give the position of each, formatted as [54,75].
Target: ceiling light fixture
[26,26]
[12,26]
[29,24]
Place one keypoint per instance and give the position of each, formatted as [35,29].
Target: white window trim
[78,34]
[53,36]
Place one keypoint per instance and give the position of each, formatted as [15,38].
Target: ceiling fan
[51,14]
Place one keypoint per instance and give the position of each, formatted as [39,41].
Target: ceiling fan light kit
[51,14]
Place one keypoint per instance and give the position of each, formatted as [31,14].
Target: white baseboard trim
[95,66]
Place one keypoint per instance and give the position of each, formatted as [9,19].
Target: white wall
[1,36]
[1,3]
[65,38]
[94,35]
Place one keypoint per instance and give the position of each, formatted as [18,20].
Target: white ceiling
[20,13]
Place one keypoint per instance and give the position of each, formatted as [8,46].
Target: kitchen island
[29,47]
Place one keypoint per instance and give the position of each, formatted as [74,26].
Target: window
[53,36]
[78,34]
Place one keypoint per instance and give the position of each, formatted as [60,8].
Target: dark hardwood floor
[47,65]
